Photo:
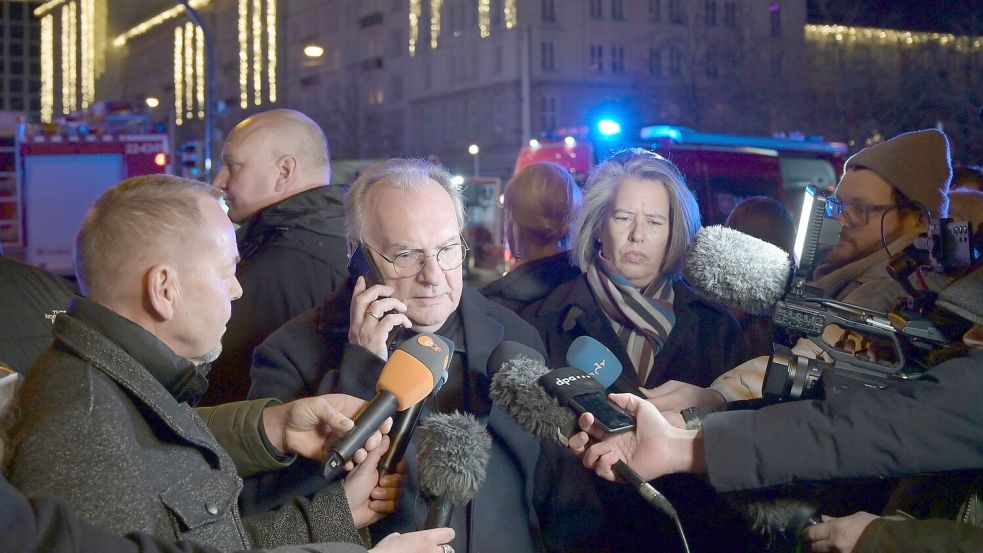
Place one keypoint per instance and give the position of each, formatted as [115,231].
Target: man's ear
[286,172]
[162,291]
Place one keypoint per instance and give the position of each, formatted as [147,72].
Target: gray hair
[684,213]
[140,214]
[401,174]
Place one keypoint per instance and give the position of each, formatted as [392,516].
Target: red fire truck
[49,177]
[721,169]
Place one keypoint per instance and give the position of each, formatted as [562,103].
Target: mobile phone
[361,265]
[610,417]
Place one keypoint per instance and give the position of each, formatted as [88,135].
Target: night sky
[953,16]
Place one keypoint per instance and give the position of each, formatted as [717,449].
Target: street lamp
[473,150]
[313,51]
[152,102]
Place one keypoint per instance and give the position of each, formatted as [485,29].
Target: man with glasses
[406,217]
[884,200]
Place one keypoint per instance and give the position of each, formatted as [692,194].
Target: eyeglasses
[411,262]
[854,215]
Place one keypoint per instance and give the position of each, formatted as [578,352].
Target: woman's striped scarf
[642,320]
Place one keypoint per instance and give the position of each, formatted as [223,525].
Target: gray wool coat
[98,430]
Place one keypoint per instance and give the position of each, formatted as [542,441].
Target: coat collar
[320,210]
[106,356]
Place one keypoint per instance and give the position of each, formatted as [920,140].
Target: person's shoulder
[687,297]
[17,274]
[297,328]
[572,292]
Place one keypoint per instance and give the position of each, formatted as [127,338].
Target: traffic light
[191,158]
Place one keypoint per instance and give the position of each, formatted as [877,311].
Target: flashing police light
[608,127]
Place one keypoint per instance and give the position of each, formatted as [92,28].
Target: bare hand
[837,535]
[424,541]
[654,448]
[370,324]
[307,426]
[367,498]
[675,395]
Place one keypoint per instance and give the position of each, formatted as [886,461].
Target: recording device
[452,459]
[881,349]
[515,388]
[584,394]
[408,377]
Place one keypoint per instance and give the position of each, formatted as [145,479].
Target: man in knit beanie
[887,194]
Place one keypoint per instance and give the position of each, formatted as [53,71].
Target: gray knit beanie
[916,163]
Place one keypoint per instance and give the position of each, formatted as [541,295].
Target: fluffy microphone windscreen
[736,269]
[514,388]
[453,456]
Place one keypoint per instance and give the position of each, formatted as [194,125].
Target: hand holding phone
[376,317]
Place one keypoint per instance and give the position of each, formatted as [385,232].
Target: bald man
[275,171]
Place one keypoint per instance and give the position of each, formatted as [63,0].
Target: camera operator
[862,433]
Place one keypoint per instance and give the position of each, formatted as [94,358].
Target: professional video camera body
[877,349]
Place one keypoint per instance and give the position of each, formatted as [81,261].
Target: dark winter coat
[293,255]
[705,342]
[47,525]
[583,513]
[29,299]
[99,429]
[311,355]
[933,424]
[531,282]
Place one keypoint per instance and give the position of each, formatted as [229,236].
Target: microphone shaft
[439,515]
[646,490]
[382,407]
[404,423]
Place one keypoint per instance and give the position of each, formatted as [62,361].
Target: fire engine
[721,169]
[51,174]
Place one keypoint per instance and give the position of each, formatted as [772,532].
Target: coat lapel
[114,362]
[481,332]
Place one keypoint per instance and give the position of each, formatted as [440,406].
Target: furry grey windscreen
[453,456]
[514,387]
[737,269]
[964,296]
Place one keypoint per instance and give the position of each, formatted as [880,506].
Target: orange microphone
[409,376]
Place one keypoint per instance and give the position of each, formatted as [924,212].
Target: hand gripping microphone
[736,269]
[452,459]
[515,388]
[592,357]
[408,377]
[404,422]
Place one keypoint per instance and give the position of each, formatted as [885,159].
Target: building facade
[432,77]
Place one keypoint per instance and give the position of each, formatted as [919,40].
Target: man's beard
[209,357]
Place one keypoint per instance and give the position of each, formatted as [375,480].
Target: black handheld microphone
[452,459]
[404,422]
[584,394]
[407,378]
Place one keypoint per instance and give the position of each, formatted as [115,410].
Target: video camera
[879,350]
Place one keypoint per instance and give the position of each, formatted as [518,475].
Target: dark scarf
[641,319]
